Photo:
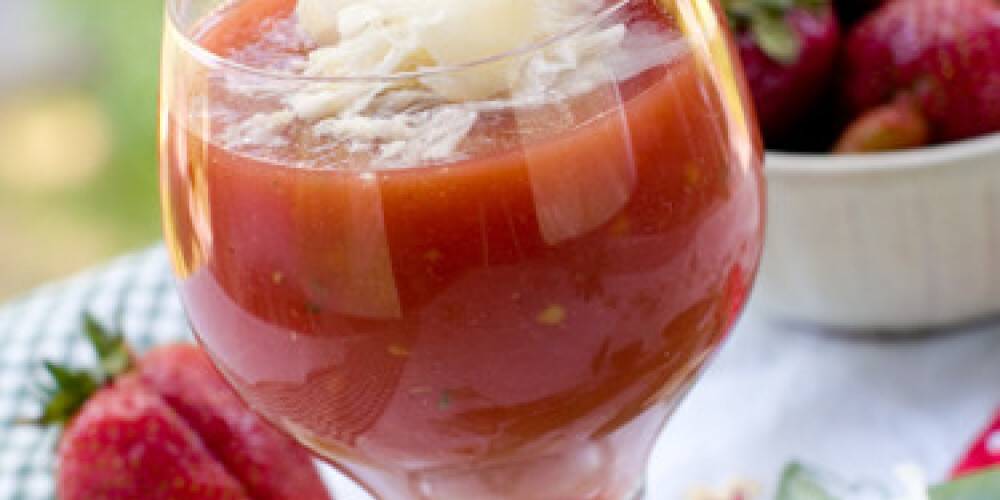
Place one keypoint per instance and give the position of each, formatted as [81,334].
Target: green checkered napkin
[134,291]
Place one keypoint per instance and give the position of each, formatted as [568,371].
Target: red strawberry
[268,465]
[945,53]
[788,48]
[127,443]
[167,428]
[898,125]
[984,452]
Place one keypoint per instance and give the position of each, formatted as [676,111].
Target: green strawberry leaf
[739,10]
[801,483]
[766,21]
[70,389]
[811,4]
[983,485]
[775,37]
[113,354]
[780,5]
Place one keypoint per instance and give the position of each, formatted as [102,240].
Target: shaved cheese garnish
[465,57]
[391,36]
[319,18]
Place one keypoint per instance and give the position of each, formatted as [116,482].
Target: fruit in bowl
[936,63]
[905,73]
[884,197]
[788,49]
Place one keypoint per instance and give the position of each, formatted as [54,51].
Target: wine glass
[473,249]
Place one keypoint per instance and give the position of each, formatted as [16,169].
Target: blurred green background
[78,87]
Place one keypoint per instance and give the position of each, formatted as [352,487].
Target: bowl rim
[929,157]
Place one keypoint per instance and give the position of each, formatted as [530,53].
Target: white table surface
[858,406]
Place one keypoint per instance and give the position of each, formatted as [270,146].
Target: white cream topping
[425,118]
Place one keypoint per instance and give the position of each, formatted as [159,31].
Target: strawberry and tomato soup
[516,322]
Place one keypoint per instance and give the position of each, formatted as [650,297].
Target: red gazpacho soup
[514,322]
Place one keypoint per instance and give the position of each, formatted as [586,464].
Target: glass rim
[195,49]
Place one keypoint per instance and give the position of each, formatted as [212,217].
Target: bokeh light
[77,135]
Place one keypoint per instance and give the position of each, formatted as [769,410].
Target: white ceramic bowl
[888,241]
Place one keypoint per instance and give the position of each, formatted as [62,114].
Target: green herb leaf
[984,485]
[801,483]
[444,401]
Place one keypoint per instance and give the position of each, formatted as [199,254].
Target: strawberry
[128,443]
[984,451]
[268,465]
[166,427]
[943,53]
[898,125]
[788,48]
